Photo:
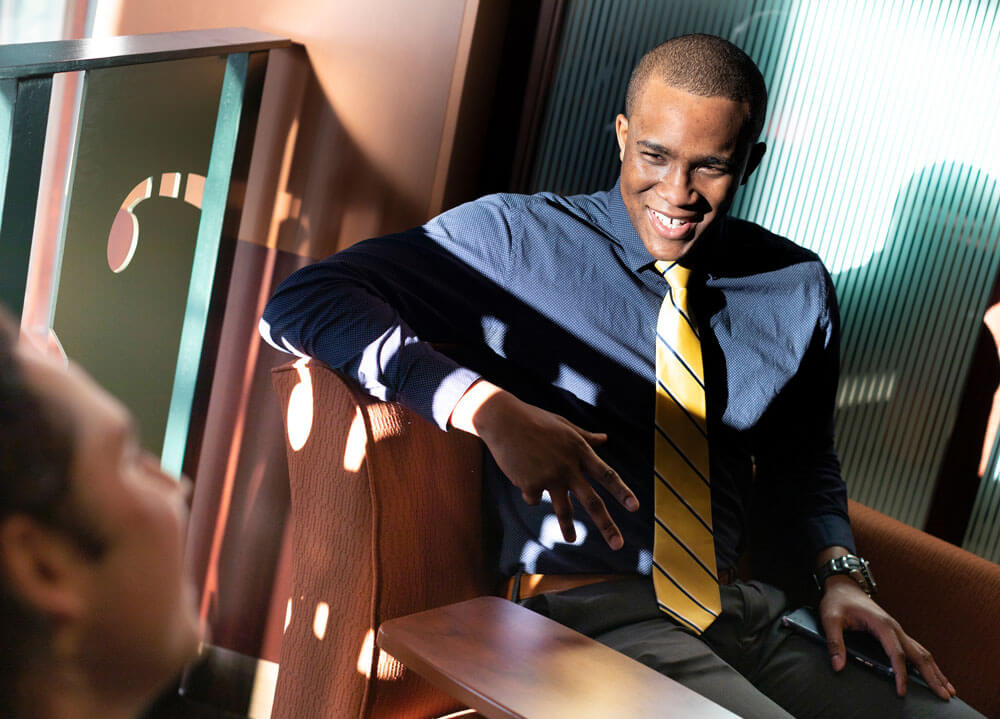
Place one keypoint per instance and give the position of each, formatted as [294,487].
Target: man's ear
[43,568]
[753,161]
[621,130]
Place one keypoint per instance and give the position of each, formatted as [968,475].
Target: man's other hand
[540,451]
[845,606]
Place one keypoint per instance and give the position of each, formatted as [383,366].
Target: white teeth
[668,221]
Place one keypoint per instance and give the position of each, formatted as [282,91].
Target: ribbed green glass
[8,91]
[883,157]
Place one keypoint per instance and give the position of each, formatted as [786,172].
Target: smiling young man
[558,314]
[683,157]
[95,611]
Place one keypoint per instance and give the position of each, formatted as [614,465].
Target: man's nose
[675,186]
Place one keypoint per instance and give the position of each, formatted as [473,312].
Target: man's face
[683,157]
[140,620]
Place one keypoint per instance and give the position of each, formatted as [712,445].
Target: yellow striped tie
[684,571]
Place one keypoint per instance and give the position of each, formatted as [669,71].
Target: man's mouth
[672,227]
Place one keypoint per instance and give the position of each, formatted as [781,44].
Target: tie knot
[675,275]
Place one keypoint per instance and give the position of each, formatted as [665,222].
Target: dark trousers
[747,661]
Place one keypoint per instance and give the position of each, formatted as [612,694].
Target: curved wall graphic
[123,239]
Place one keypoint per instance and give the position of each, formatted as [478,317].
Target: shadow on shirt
[565,337]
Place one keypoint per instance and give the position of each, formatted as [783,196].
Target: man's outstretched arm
[540,451]
[365,312]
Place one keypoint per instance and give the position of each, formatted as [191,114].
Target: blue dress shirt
[556,300]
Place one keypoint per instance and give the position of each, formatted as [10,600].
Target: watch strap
[853,566]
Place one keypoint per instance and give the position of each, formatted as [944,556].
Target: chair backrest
[945,597]
[386,520]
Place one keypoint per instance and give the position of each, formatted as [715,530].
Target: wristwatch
[856,568]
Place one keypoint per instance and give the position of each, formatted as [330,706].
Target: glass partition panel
[142,155]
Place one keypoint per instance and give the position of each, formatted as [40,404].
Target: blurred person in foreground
[96,614]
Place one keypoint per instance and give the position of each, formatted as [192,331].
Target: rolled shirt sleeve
[378,310]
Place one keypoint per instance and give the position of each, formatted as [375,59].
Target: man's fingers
[594,506]
[609,479]
[592,438]
[538,455]
[833,628]
[844,606]
[929,670]
[563,508]
[889,640]
[838,655]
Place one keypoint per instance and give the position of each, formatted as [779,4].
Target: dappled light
[300,408]
[387,668]
[357,442]
[320,620]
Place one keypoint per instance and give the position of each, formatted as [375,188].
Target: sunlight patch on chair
[320,619]
[300,408]
[288,615]
[357,443]
[387,669]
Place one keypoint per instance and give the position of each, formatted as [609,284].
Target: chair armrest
[946,598]
[508,662]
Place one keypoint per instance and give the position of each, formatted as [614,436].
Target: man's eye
[654,156]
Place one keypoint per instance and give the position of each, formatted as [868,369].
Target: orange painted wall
[377,102]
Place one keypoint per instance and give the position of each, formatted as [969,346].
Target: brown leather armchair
[386,522]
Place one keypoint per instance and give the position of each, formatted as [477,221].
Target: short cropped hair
[703,65]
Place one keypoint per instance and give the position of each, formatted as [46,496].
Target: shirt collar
[634,253]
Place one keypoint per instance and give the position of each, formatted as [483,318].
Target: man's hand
[540,451]
[846,606]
